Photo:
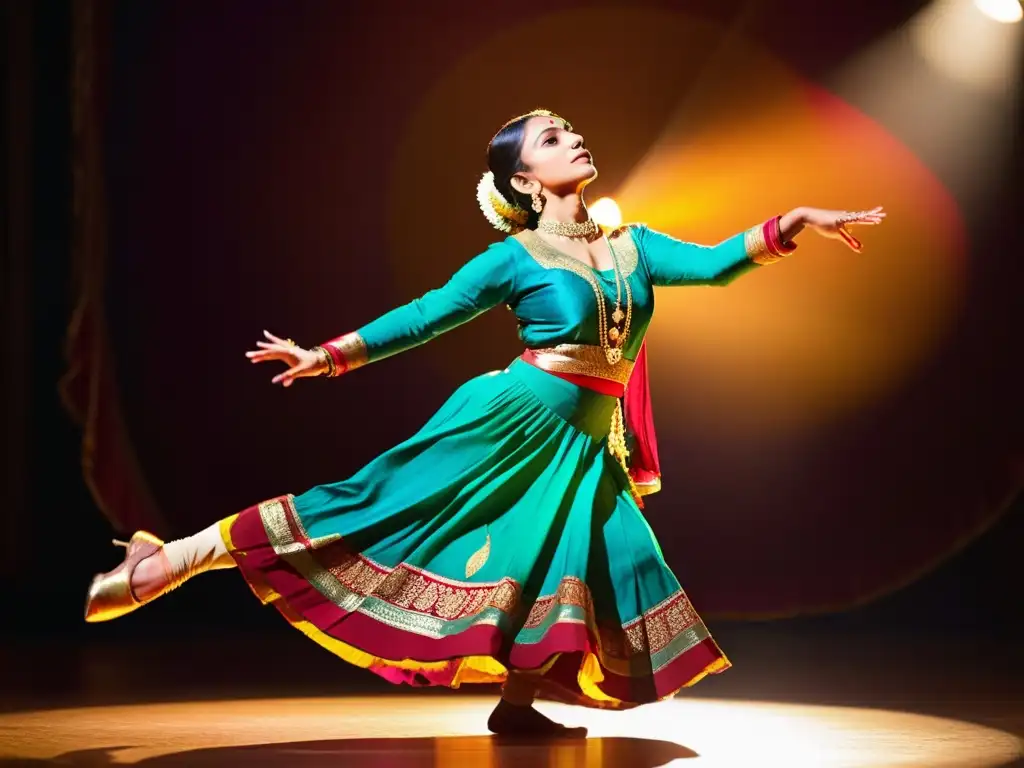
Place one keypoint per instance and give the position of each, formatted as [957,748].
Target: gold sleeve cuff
[349,352]
[757,247]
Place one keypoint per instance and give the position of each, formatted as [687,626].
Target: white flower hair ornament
[503,215]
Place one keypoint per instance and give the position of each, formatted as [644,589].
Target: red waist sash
[644,467]
[604,386]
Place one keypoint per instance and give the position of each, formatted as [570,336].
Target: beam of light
[967,46]
[1006,11]
[606,213]
[449,731]
[947,85]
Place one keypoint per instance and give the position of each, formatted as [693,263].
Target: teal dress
[502,535]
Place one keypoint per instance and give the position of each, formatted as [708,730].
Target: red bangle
[348,352]
[773,238]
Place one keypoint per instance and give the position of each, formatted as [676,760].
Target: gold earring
[538,202]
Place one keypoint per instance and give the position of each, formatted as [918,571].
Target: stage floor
[277,700]
[427,731]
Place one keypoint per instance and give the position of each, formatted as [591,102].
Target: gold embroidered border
[585,359]
[644,635]
[353,348]
[550,257]
[427,600]
[757,247]
[625,249]
[347,579]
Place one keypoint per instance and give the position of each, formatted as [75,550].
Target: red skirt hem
[480,653]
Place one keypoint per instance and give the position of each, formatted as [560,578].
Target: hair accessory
[503,215]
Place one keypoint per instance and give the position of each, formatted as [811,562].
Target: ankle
[519,690]
[505,704]
[151,576]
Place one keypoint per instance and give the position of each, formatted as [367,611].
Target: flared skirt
[500,536]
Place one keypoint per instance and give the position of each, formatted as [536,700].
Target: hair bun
[503,215]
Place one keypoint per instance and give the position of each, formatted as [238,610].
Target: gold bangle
[326,361]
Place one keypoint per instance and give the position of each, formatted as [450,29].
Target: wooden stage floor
[276,700]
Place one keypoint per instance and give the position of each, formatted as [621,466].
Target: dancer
[504,541]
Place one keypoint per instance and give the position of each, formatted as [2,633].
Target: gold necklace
[614,342]
[571,229]
[612,339]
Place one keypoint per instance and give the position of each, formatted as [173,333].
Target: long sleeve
[485,281]
[675,262]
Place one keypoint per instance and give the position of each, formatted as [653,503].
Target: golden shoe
[110,594]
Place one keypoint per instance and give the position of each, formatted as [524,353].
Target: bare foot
[511,720]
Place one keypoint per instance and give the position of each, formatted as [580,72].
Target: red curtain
[89,387]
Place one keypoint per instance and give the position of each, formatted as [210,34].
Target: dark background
[56,537]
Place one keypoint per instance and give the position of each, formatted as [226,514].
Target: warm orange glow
[827,331]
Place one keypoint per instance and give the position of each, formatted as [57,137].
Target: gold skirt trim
[471,669]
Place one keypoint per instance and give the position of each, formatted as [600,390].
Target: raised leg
[178,561]
[152,568]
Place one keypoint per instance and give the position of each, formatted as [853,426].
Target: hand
[301,362]
[833,224]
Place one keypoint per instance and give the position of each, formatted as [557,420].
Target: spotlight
[606,213]
[1006,11]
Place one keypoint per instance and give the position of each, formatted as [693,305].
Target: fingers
[289,376]
[261,356]
[874,216]
[868,219]
[275,339]
[286,351]
[285,344]
[849,239]
[871,217]
[272,350]
[291,373]
[289,348]
[269,351]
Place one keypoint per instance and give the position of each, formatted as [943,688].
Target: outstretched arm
[483,282]
[675,262]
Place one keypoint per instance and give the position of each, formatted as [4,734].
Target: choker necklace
[572,229]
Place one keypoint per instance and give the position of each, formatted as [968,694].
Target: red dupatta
[644,467]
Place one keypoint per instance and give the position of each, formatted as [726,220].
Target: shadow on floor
[409,753]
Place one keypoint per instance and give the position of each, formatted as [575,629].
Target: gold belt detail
[584,359]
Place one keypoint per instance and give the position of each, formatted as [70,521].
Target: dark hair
[505,158]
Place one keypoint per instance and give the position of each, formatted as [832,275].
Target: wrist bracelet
[326,360]
[773,238]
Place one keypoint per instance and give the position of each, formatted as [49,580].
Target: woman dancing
[503,542]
